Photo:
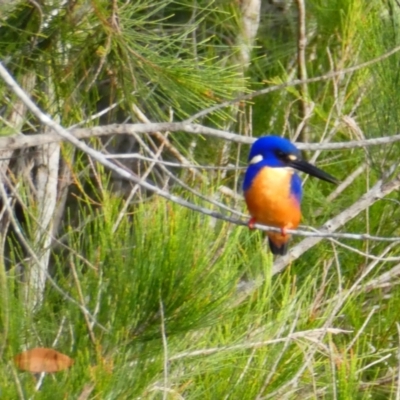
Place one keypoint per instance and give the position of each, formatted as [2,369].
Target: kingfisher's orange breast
[270,201]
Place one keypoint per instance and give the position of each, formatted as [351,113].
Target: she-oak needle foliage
[152,300]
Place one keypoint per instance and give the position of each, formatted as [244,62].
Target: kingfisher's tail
[278,244]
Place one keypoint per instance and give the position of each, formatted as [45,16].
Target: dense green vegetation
[154,300]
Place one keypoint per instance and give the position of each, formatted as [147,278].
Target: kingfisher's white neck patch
[256,159]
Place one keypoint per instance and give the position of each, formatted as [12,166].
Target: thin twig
[365,254]
[138,156]
[309,335]
[361,330]
[27,141]
[132,193]
[387,278]
[273,368]
[82,300]
[17,383]
[398,364]
[165,141]
[165,349]
[186,186]
[296,82]
[306,110]
[384,358]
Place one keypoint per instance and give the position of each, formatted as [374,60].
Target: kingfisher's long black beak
[304,166]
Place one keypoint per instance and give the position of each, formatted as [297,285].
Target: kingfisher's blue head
[277,152]
[272,151]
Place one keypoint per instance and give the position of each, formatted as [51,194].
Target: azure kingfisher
[272,188]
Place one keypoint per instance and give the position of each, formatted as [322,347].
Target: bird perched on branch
[272,188]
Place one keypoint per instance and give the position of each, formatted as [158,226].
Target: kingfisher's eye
[280,154]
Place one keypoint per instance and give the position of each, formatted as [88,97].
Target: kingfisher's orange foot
[251,223]
[283,232]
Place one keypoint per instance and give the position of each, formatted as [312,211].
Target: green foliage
[163,304]
[168,270]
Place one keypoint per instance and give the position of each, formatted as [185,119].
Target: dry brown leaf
[42,359]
